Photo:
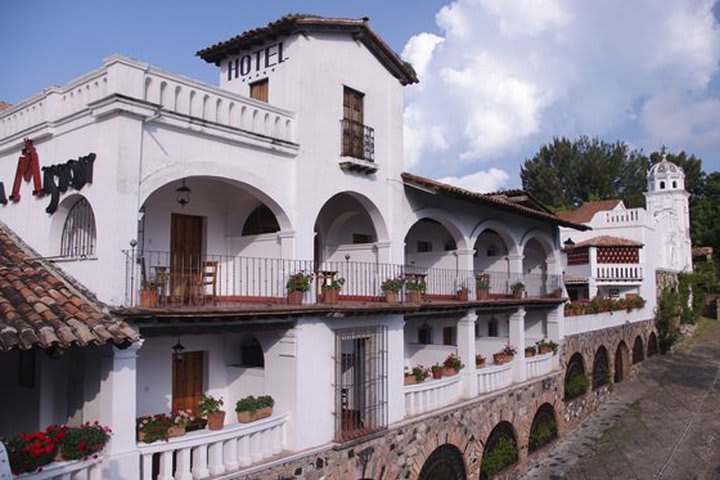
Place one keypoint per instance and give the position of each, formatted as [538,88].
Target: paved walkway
[663,425]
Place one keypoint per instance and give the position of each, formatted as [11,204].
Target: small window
[449,336]
[78,236]
[425,335]
[674,184]
[361,238]
[252,353]
[261,220]
[259,90]
[423,246]
[662,185]
[493,327]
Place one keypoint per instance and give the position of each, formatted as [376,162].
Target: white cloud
[507,76]
[483,181]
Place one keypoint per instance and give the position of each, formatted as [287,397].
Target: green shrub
[503,454]
[576,386]
[251,403]
[542,434]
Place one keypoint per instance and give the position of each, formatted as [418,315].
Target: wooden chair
[207,278]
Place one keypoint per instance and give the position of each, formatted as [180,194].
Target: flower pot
[529,354]
[197,424]
[215,421]
[449,372]
[148,298]
[462,295]
[330,295]
[543,349]
[501,358]
[295,298]
[410,380]
[251,416]
[391,297]
[176,431]
[437,374]
[482,293]
[479,364]
[414,296]
[518,293]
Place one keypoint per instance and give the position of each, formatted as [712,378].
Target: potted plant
[415,289]
[251,408]
[180,418]
[517,289]
[29,452]
[297,284]
[482,286]
[79,443]
[152,428]
[417,375]
[479,361]
[331,290]
[547,346]
[530,351]
[505,355]
[463,294]
[437,371]
[391,287]
[452,365]
[209,407]
[149,294]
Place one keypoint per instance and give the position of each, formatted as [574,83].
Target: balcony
[216,281]
[90,469]
[431,394]
[624,272]
[358,147]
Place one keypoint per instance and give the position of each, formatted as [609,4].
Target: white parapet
[495,377]
[215,452]
[431,394]
[90,469]
[538,365]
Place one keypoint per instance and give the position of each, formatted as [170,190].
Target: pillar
[517,339]
[119,411]
[515,265]
[466,352]
[555,331]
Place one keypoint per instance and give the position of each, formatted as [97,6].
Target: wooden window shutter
[259,90]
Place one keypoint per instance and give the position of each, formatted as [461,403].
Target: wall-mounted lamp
[569,243]
[177,350]
[183,194]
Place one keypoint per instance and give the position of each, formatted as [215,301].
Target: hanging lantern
[183,194]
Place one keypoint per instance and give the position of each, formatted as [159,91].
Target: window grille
[360,381]
[78,236]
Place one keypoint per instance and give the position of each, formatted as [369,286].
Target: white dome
[665,175]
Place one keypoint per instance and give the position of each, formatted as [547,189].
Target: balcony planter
[410,380]
[502,358]
[449,372]
[295,298]
[209,407]
[482,293]
[251,416]
[148,298]
[518,288]
[462,294]
[414,296]
[176,431]
[250,408]
[330,295]
[391,297]
[216,420]
[482,286]
[530,351]
[437,371]
[479,361]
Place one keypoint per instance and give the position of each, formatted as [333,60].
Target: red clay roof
[4,105]
[606,241]
[42,307]
[587,210]
[493,200]
[291,24]
[702,251]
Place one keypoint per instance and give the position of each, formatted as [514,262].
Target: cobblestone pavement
[663,425]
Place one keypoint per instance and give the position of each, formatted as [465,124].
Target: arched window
[78,236]
[662,185]
[251,353]
[601,369]
[493,327]
[260,221]
[638,353]
[674,184]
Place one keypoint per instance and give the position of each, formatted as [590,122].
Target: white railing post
[200,469]
[215,459]
[182,470]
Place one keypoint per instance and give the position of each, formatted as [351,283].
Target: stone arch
[499,227]
[576,382]
[652,344]
[638,352]
[376,217]
[601,368]
[446,462]
[543,238]
[501,450]
[544,427]
[444,218]
[622,362]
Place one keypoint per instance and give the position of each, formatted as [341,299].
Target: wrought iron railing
[358,140]
[187,280]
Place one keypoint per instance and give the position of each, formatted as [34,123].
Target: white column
[555,330]
[517,339]
[119,411]
[466,352]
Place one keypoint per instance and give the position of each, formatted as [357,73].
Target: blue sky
[499,78]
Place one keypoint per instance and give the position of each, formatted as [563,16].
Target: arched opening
[662,185]
[621,357]
[251,353]
[491,251]
[601,368]
[576,381]
[535,269]
[444,463]
[500,451]
[652,348]
[638,354]
[78,235]
[261,220]
[544,427]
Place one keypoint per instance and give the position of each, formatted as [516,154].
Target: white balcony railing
[538,365]
[623,217]
[90,469]
[495,377]
[206,453]
[431,394]
[597,321]
[624,272]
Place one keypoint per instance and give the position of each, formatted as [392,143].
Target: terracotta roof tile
[4,105]
[587,210]
[493,200]
[606,241]
[40,306]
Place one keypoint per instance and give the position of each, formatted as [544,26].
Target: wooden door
[187,385]
[185,254]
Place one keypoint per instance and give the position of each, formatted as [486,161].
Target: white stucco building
[216,195]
